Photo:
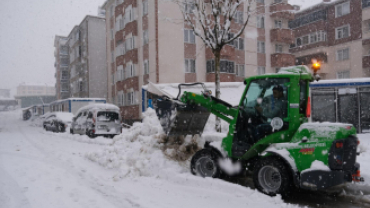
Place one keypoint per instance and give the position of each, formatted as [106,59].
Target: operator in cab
[265,102]
[273,106]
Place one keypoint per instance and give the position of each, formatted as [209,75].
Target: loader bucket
[178,118]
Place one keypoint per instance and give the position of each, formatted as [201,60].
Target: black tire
[91,134]
[60,128]
[272,176]
[71,130]
[205,164]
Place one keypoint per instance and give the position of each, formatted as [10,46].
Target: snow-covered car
[97,120]
[57,121]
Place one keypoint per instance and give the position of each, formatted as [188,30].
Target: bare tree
[213,18]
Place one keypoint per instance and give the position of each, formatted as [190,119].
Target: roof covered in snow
[341,82]
[98,106]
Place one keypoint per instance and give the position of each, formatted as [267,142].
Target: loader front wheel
[205,163]
[272,176]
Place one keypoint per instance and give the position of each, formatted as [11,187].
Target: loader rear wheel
[205,163]
[272,176]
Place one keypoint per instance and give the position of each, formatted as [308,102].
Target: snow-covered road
[41,169]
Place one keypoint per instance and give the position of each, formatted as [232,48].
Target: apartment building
[337,34]
[61,54]
[81,60]
[147,40]
[87,58]
[29,94]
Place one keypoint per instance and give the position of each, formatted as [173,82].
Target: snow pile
[229,166]
[80,138]
[145,151]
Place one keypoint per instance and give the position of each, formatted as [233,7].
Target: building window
[65,75]
[342,9]
[111,34]
[261,1]
[278,24]
[189,65]
[231,36]
[131,98]
[119,2]
[120,74]
[189,6]
[343,75]
[113,81]
[239,70]
[238,17]
[81,86]
[278,48]
[145,37]
[189,36]
[77,35]
[129,15]
[64,50]
[365,3]
[112,55]
[130,43]
[342,54]
[225,66]
[342,32]
[145,7]
[111,10]
[260,21]
[260,47]
[130,70]
[261,70]
[146,67]
[311,38]
[239,43]
[278,1]
[305,40]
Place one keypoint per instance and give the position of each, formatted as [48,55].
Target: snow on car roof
[64,116]
[98,106]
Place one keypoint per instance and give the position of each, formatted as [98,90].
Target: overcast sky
[27,31]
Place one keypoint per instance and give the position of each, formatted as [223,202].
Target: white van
[97,120]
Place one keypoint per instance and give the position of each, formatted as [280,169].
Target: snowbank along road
[43,169]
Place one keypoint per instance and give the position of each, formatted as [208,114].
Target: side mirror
[277,123]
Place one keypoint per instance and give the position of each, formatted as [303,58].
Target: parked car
[97,120]
[57,121]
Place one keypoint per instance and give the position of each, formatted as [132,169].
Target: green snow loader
[269,134]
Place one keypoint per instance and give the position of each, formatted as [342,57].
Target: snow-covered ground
[135,169]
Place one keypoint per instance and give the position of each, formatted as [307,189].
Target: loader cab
[264,101]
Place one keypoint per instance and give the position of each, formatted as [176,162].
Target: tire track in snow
[112,196]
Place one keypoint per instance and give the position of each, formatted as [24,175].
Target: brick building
[147,40]
[337,34]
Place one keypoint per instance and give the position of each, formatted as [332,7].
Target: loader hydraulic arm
[216,106]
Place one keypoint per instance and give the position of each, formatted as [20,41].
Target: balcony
[282,36]
[282,11]
[366,61]
[282,60]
